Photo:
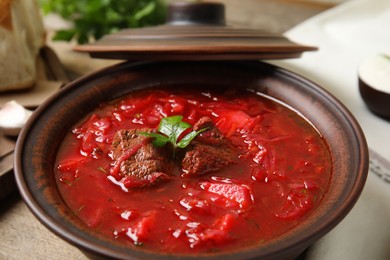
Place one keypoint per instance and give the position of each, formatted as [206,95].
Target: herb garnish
[94,18]
[170,129]
[100,168]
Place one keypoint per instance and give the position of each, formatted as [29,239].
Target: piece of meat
[210,151]
[137,161]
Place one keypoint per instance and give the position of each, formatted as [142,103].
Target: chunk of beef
[137,161]
[210,151]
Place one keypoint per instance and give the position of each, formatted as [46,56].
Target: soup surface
[253,172]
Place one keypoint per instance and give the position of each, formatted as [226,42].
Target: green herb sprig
[94,18]
[170,129]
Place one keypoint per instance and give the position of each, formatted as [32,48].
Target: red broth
[283,171]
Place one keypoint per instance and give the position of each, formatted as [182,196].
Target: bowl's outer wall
[377,101]
[39,141]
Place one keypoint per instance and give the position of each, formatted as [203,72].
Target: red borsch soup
[192,171]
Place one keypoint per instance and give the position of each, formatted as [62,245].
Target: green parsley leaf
[170,129]
[159,140]
[185,141]
[173,127]
[92,19]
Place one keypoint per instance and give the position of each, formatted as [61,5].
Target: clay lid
[194,31]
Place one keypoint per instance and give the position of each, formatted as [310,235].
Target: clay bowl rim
[40,195]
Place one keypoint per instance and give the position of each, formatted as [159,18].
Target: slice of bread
[21,37]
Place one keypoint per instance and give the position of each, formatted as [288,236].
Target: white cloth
[346,35]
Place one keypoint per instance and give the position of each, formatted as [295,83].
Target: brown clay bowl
[39,140]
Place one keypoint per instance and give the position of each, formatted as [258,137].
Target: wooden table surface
[21,234]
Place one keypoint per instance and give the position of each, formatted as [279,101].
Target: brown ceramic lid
[194,31]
